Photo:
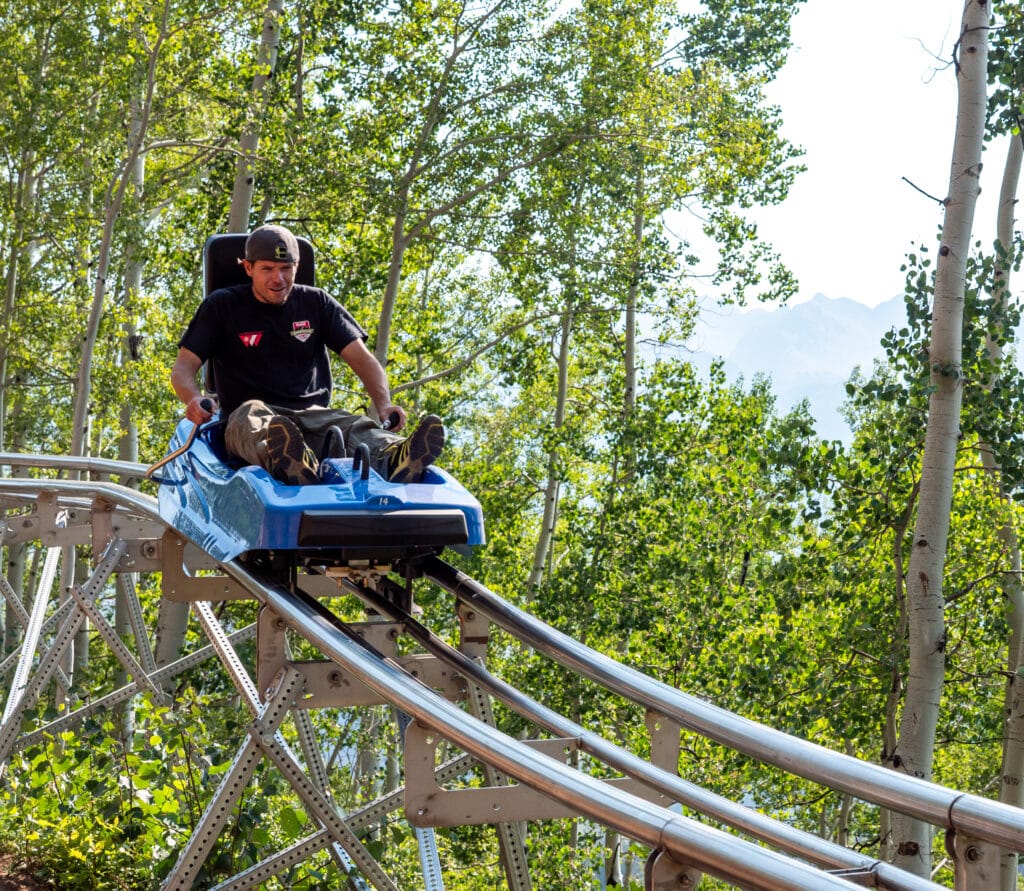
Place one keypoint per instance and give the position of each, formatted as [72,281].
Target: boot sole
[287,449]
[423,450]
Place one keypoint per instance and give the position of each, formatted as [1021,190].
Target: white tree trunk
[266,61]
[399,242]
[1011,788]
[114,201]
[897,661]
[633,292]
[25,199]
[925,603]
[552,490]
[128,442]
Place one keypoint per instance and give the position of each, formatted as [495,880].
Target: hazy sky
[867,98]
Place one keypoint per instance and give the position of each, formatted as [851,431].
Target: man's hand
[392,418]
[200,409]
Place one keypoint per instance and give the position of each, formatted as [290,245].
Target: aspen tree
[911,838]
[1011,789]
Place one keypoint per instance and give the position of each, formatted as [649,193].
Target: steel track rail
[745,819]
[961,812]
[725,856]
[81,493]
[93,466]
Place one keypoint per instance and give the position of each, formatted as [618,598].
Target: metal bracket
[665,742]
[52,524]
[474,631]
[977,862]
[141,537]
[662,872]
[857,875]
[428,804]
[328,685]
[181,587]
[55,522]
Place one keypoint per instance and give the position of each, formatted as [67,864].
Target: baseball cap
[272,243]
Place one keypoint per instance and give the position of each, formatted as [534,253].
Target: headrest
[222,267]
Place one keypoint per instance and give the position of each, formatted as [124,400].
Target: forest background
[486,188]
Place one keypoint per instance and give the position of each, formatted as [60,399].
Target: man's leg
[315,422]
[404,459]
[245,434]
[393,456]
[362,430]
[264,435]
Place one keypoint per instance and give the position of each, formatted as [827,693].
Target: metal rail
[964,813]
[802,844]
[727,857]
[101,467]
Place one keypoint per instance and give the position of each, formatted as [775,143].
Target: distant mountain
[808,350]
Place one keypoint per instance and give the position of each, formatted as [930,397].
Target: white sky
[864,94]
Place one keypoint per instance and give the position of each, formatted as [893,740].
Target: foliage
[1006,73]
[96,810]
[504,173]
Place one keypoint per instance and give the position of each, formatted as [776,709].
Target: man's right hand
[200,409]
[392,418]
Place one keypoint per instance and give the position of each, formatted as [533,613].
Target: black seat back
[222,267]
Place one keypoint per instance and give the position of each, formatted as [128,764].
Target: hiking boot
[408,458]
[291,460]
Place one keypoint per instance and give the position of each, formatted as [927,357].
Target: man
[267,342]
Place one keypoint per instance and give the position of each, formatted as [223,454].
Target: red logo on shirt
[302,330]
[250,338]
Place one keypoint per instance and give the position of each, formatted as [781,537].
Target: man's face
[272,280]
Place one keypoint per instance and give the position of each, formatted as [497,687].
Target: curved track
[442,694]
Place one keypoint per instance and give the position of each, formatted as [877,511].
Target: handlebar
[207,404]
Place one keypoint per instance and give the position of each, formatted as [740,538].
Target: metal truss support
[511,836]
[317,772]
[22,616]
[360,819]
[474,636]
[33,629]
[26,689]
[426,840]
[136,621]
[344,846]
[116,697]
[117,646]
[123,525]
[217,812]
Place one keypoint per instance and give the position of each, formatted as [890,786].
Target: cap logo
[281,251]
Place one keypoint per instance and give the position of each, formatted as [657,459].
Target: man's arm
[183,380]
[374,380]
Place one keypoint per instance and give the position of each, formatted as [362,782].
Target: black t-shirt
[274,353]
